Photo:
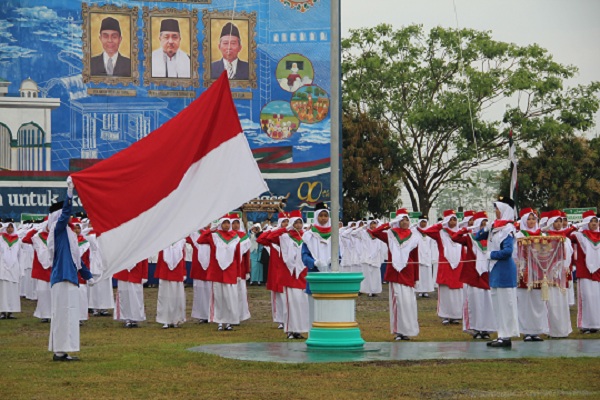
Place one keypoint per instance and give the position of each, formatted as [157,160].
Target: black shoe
[280,326]
[104,313]
[485,335]
[536,338]
[290,335]
[426,295]
[134,325]
[455,321]
[401,337]
[228,327]
[490,343]
[445,321]
[80,323]
[127,325]
[64,357]
[10,316]
[478,335]
[528,338]
[202,321]
[45,320]
[2,315]
[501,343]
[298,335]
[220,328]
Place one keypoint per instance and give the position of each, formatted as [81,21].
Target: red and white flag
[190,171]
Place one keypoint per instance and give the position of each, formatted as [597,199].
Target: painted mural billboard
[82,80]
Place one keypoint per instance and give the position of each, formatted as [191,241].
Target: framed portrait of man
[171,47]
[110,44]
[229,46]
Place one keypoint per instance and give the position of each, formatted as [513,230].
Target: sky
[569,29]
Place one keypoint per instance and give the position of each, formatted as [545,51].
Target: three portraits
[170,46]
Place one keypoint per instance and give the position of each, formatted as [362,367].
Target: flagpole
[335,333]
[335,133]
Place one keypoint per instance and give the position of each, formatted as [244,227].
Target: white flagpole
[335,133]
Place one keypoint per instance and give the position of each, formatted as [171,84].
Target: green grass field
[153,363]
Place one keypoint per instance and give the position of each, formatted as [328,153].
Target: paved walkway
[297,352]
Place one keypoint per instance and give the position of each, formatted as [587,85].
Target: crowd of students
[480,276]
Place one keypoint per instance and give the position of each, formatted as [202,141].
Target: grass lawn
[153,363]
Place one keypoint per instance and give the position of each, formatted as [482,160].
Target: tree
[371,166]
[435,92]
[564,173]
[477,192]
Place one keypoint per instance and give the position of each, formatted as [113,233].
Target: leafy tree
[371,166]
[564,173]
[476,192]
[434,90]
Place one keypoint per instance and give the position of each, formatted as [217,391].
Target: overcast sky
[569,29]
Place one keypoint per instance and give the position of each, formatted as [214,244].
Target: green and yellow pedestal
[334,326]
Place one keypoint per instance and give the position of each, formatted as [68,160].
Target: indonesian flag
[190,171]
[512,156]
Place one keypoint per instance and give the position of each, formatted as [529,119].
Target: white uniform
[176,67]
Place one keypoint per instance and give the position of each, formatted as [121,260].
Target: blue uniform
[504,273]
[63,267]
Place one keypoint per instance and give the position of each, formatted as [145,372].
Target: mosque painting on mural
[61,110]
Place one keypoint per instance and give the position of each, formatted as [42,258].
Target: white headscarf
[498,235]
[551,222]
[481,261]
[316,221]
[447,219]
[395,223]
[254,243]
[173,254]
[585,223]
[452,250]
[477,224]
[72,237]
[523,222]
[225,252]
[506,211]
[291,251]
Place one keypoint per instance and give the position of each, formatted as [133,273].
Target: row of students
[475,278]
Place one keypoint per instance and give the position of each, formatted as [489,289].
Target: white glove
[70,186]
[91,282]
[328,263]
[488,255]
[144,281]
[320,264]
[247,276]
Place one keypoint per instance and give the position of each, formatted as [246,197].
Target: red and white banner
[190,171]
